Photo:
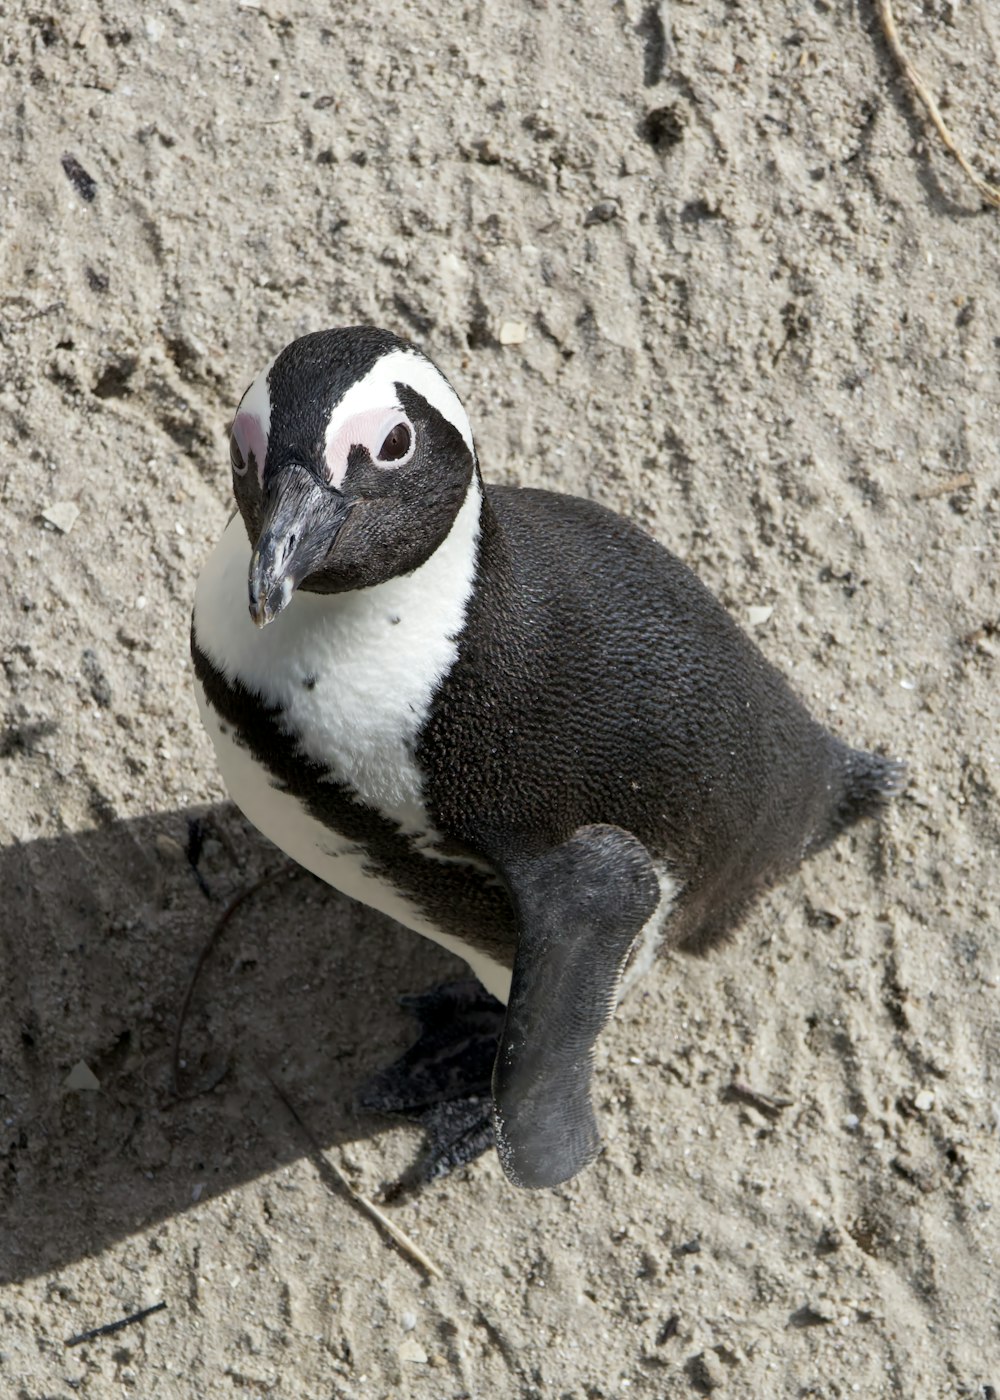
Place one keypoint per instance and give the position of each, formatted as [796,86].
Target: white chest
[353,676]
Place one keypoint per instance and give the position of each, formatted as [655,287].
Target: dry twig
[327,1167]
[989,192]
[770,1105]
[235,903]
[945,488]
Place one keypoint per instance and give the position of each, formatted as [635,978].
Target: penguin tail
[869,782]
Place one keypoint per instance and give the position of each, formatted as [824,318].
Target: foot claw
[442,1082]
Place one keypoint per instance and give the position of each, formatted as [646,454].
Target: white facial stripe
[376,393]
[252,425]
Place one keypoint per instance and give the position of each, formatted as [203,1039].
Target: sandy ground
[765,325]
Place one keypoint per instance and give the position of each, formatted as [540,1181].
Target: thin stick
[327,1167]
[210,943]
[945,488]
[769,1104]
[110,1327]
[988,192]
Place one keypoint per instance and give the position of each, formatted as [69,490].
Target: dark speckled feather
[599,681]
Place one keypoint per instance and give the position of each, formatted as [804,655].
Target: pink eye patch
[386,434]
[248,431]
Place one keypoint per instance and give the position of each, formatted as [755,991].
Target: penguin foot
[442,1083]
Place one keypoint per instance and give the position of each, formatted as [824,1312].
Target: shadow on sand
[99,932]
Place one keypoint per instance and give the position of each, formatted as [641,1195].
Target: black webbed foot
[442,1082]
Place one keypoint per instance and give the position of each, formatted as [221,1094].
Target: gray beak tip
[267,591]
[266,603]
[302,518]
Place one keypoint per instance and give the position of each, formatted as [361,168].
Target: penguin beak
[301,520]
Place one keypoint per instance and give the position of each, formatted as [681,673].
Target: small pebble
[818,1311]
[61,515]
[602,213]
[513,333]
[83,182]
[758,616]
[82,1077]
[707,1372]
[924,1101]
[168,848]
[408,1321]
[412,1351]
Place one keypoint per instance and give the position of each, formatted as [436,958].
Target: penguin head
[351,457]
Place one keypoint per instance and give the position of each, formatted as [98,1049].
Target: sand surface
[764,325]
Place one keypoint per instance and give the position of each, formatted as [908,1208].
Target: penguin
[506,717]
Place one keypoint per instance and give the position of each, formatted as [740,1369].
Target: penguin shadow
[296,1002]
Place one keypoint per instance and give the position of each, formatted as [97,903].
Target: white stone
[61,515]
[513,333]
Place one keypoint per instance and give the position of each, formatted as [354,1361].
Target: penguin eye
[397,445]
[236,456]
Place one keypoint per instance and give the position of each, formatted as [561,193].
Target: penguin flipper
[579,908]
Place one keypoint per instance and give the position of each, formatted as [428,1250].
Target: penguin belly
[314,723]
[323,852]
